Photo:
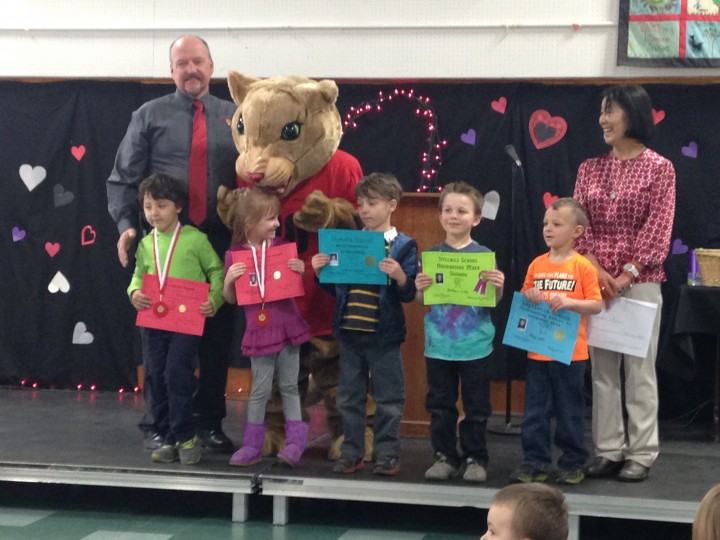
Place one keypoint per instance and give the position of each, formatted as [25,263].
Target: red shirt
[337,178]
[631,206]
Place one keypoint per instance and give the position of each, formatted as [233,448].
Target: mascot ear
[239,85]
[320,95]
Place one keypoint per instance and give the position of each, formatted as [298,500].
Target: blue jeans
[171,360]
[364,362]
[443,377]
[553,387]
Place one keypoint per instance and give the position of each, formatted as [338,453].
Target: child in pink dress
[274,331]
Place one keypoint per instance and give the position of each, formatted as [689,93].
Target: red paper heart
[78,151]
[658,116]
[87,236]
[546,130]
[549,198]
[52,249]
[499,105]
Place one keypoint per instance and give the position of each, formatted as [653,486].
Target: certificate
[458,278]
[534,328]
[624,327]
[354,256]
[179,309]
[280,281]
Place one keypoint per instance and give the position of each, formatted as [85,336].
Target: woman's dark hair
[163,186]
[637,106]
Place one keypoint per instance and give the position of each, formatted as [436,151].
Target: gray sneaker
[442,469]
[167,453]
[190,451]
[474,472]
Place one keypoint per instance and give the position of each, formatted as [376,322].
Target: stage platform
[91,438]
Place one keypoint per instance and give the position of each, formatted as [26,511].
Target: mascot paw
[334,452]
[321,212]
[273,443]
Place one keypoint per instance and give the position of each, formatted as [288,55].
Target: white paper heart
[491,205]
[81,336]
[59,283]
[32,176]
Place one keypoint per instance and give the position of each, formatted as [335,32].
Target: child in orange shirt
[565,280]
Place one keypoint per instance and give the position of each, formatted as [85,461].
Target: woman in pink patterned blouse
[629,194]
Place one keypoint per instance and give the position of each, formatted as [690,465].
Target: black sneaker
[387,466]
[348,465]
[526,474]
[570,475]
[215,439]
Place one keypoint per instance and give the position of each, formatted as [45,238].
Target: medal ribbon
[163,272]
[260,272]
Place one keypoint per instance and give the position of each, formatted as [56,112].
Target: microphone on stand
[510,151]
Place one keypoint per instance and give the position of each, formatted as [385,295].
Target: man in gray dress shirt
[158,140]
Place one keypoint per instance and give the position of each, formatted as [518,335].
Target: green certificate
[458,278]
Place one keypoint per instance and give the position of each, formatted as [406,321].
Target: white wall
[348,39]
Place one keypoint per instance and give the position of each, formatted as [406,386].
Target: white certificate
[625,327]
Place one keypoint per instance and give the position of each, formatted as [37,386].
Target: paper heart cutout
[678,248]
[549,198]
[546,130]
[468,137]
[81,336]
[499,105]
[59,283]
[658,116]
[32,176]
[78,151]
[691,150]
[491,205]
[61,196]
[18,234]
[52,249]
[87,235]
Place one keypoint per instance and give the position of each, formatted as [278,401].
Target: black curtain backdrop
[86,334]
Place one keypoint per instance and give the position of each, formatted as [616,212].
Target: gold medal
[262,317]
[160,309]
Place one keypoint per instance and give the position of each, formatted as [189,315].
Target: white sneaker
[441,470]
[474,472]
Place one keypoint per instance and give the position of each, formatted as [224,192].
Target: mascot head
[285,128]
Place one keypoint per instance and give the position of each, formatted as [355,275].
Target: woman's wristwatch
[631,269]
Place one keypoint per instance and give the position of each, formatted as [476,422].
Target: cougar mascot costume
[287,130]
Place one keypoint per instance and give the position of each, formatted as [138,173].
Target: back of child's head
[539,511]
[462,188]
[163,186]
[252,205]
[707,519]
[383,185]
[576,208]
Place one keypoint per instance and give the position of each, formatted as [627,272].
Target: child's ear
[579,231]
[477,220]
[393,205]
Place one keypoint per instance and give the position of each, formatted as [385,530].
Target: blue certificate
[354,256]
[534,328]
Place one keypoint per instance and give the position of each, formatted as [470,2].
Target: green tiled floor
[30,511]
[58,512]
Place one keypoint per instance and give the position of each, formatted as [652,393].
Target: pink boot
[250,453]
[296,433]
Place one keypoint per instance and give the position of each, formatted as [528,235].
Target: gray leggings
[287,363]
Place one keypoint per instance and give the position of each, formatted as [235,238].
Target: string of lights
[431,159]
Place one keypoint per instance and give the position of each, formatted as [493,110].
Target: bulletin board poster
[669,33]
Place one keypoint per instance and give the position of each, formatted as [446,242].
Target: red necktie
[198,173]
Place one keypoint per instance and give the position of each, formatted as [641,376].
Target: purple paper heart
[678,248]
[690,150]
[468,137]
[17,234]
